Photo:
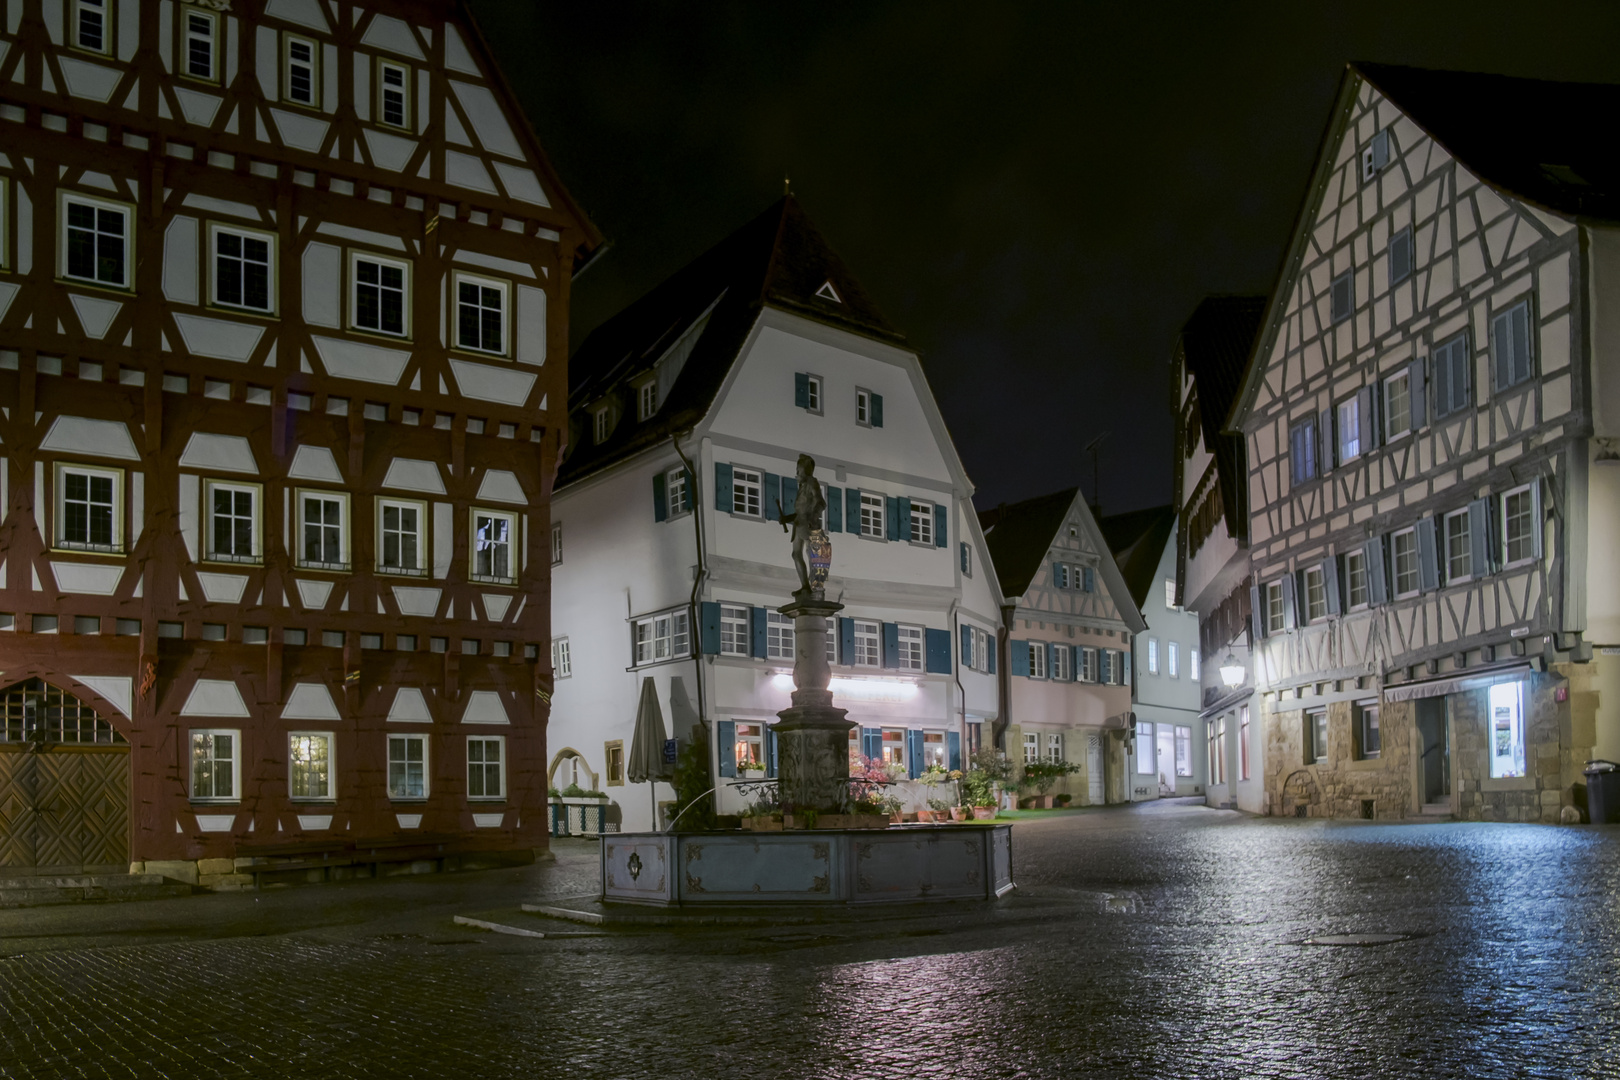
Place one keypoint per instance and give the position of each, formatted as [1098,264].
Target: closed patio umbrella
[647,744]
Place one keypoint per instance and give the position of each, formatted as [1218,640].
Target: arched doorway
[64,784]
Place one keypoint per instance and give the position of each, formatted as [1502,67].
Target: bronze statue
[808,507]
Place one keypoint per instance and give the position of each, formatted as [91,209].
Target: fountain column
[812,739]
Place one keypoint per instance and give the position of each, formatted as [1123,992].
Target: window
[1275,611]
[233,521]
[778,636]
[1192,663]
[1316,603]
[90,26]
[677,495]
[1316,749]
[1037,659]
[872,515]
[1088,664]
[746,486]
[1375,155]
[1153,656]
[1342,296]
[733,630]
[486,767]
[95,241]
[1355,577]
[481,314]
[377,303]
[1403,551]
[1459,553]
[1217,750]
[215,766]
[647,401]
[1054,746]
[967,559]
[1400,256]
[894,746]
[1349,423]
[868,636]
[1510,340]
[1145,763]
[1105,667]
[602,424]
[1170,658]
[1397,405]
[1184,751]
[1368,739]
[1506,702]
[393,94]
[1169,593]
[300,77]
[1032,748]
[1062,663]
[407,767]
[613,752]
[911,648]
[200,37]
[556,544]
[309,765]
[89,504]
[1243,743]
[868,408]
[243,269]
[1519,525]
[1060,576]
[322,528]
[562,658]
[812,393]
[494,546]
[1451,376]
[922,523]
[662,637]
[1302,450]
[935,753]
[401,548]
[749,748]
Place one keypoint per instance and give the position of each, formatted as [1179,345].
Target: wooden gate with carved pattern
[64,785]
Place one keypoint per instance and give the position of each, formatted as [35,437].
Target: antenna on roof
[1096,492]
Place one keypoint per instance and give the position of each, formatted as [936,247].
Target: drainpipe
[956,664]
[998,730]
[702,571]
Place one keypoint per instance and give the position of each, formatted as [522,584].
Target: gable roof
[1216,343]
[1137,540]
[1019,535]
[779,259]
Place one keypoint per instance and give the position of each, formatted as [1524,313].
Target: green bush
[1043,774]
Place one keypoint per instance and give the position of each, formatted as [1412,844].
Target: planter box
[1036,802]
[585,817]
[760,824]
[983,813]
[840,821]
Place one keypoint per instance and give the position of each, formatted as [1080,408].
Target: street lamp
[1232,672]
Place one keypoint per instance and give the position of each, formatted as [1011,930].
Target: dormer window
[602,424]
[1375,155]
[647,401]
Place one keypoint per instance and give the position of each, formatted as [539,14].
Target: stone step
[87,888]
[1437,809]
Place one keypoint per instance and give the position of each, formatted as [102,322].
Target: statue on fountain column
[812,549]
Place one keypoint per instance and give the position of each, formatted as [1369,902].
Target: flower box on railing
[583,816]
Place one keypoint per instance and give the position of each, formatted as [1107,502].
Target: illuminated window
[894,747]
[935,753]
[1506,702]
[750,746]
[1146,764]
[494,544]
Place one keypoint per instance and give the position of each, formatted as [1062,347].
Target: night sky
[1037,195]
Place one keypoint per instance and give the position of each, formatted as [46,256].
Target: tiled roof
[1137,540]
[1020,534]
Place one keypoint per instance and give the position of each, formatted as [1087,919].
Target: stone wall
[1343,785]
[1557,745]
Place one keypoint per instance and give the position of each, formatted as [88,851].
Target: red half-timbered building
[283,320]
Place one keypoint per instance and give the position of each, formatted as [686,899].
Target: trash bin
[1603,792]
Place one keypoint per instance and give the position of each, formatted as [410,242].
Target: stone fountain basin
[833,866]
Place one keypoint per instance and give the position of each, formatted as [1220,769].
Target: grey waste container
[1603,792]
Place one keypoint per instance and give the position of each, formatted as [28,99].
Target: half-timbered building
[1428,422]
[283,296]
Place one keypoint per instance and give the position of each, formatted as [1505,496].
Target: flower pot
[897,818]
[925,817]
[983,813]
[959,813]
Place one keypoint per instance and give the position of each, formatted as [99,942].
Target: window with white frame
[922,523]
[233,521]
[1062,663]
[1397,405]
[393,94]
[647,400]
[562,658]
[1302,450]
[1060,575]
[379,292]
[401,543]
[323,528]
[1032,747]
[1088,664]
[1349,425]
[494,546]
[1171,667]
[1404,556]
[1184,751]
[1316,602]
[1519,525]
[863,407]
[831,638]
[486,767]
[481,308]
[407,767]
[1458,547]
[1273,595]
[872,515]
[1169,592]
[812,393]
[982,644]
[91,25]
[662,637]
[935,752]
[1369,738]
[244,268]
[1054,746]
[894,746]
[200,41]
[309,765]
[1511,338]
[868,643]
[911,647]
[1506,703]
[1037,659]
[1316,736]
[89,509]
[733,630]
[778,636]
[556,544]
[216,766]
[678,496]
[1355,578]
[748,748]
[1146,760]
[300,70]
[747,487]
[96,245]
[1192,663]
[1153,656]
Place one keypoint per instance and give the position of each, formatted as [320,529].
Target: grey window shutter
[1415,389]
[1076,656]
[891,645]
[1479,538]
[770,750]
[1364,412]
[846,641]
[771,496]
[709,627]
[1428,556]
[902,506]
[892,525]
[962,557]
[660,501]
[726,737]
[1502,346]
[1020,658]
[1125,667]
[1088,580]
[790,494]
[1324,438]
[1257,616]
[937,652]
[756,626]
[939,526]
[1290,615]
[1380,149]
[1442,381]
[1377,580]
[1520,336]
[1538,523]
[852,510]
[953,749]
[993,645]
[723,498]
[801,390]
[877,410]
[966,634]
[1330,583]
[835,509]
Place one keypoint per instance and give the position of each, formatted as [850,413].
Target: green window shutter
[891,645]
[877,410]
[902,506]
[801,390]
[939,526]
[852,510]
[771,496]
[846,641]
[660,502]
[756,626]
[962,557]
[966,634]
[723,499]
[726,736]
[993,647]
[835,509]
[892,525]
[770,751]
[937,652]
[953,749]
[790,493]
[1020,658]
[709,628]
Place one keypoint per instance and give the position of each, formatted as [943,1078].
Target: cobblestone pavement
[1156,941]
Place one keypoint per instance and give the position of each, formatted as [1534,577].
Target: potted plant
[751,770]
[938,810]
[1064,799]
[894,808]
[1041,775]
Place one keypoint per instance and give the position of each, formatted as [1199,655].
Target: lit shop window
[1507,729]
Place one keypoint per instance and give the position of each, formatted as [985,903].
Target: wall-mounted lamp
[1606,453]
[1232,672]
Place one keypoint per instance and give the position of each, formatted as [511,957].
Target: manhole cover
[1355,939]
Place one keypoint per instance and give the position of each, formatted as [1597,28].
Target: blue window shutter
[902,506]
[966,634]
[914,753]
[872,743]
[1414,388]
[835,509]
[722,487]
[1377,581]
[891,645]
[852,510]
[1125,667]
[1105,666]
[892,526]
[801,390]
[1060,575]
[962,556]
[877,410]
[709,628]
[1330,582]
[939,526]
[660,503]
[994,644]
[772,496]
[726,736]
[790,493]
[937,651]
[1257,618]
[1479,538]
[953,749]
[770,750]
[1089,577]
[756,624]
[1428,555]
[1020,658]
[846,641]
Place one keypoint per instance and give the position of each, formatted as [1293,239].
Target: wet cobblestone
[1149,942]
